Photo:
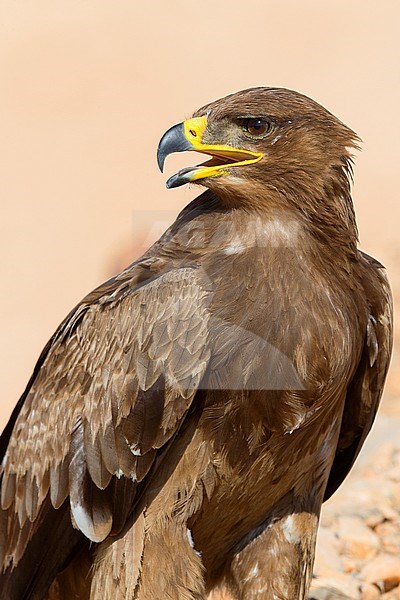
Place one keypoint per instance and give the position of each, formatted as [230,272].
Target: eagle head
[264,143]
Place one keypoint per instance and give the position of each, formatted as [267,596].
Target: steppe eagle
[185,422]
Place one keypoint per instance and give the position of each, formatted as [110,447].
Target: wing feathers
[31,498]
[108,450]
[122,494]
[59,482]
[90,507]
[8,488]
[365,390]
[372,341]
[98,471]
[142,426]
[113,387]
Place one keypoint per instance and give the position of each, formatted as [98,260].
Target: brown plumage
[185,422]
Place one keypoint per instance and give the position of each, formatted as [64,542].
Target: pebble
[370,592]
[389,535]
[327,560]
[340,583]
[393,595]
[351,565]
[384,571]
[359,540]
[325,593]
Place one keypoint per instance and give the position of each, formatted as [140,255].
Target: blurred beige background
[87,89]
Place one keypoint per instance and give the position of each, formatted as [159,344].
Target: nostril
[193,132]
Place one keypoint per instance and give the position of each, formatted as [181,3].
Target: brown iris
[256,126]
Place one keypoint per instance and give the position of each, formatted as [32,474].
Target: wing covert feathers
[365,390]
[114,387]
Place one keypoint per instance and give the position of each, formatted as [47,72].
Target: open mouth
[188,136]
[223,157]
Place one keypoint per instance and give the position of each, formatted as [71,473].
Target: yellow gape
[193,130]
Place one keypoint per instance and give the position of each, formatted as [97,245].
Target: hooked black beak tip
[161,156]
[174,140]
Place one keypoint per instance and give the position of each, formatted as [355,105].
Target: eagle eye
[257,127]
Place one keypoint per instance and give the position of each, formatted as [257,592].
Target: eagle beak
[188,136]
